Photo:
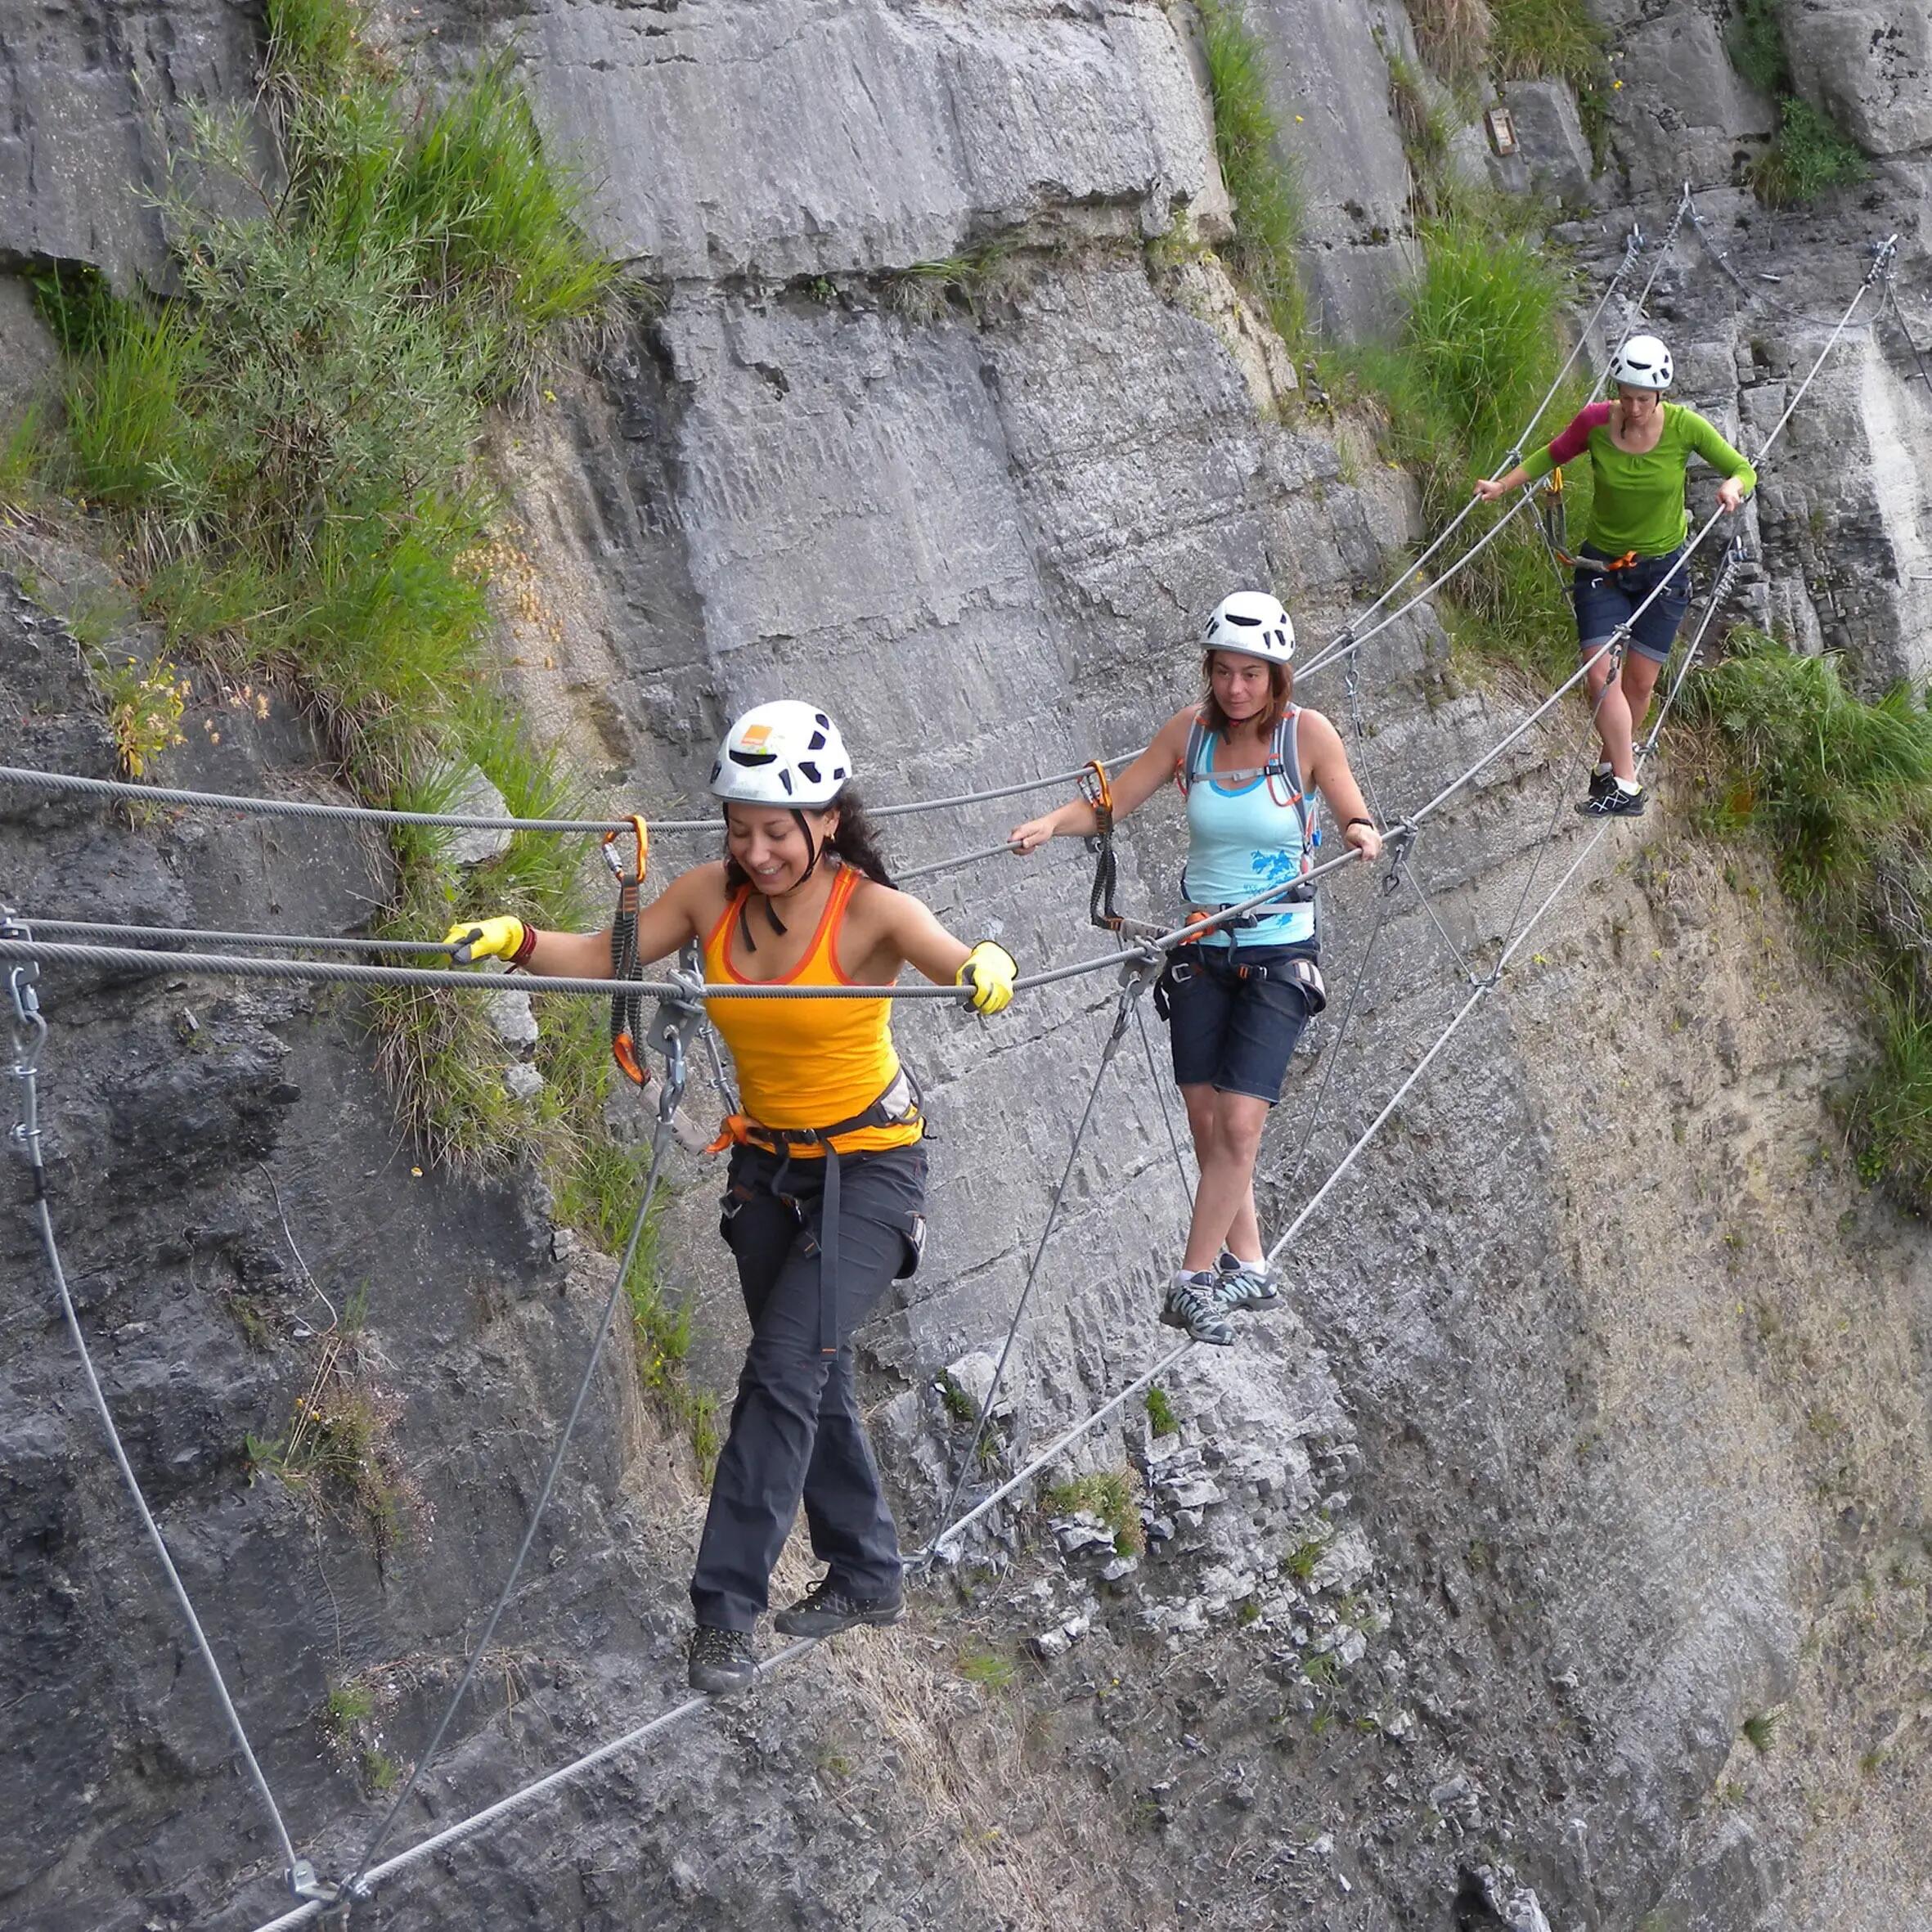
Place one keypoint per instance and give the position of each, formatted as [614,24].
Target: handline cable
[306,808]
[517,1800]
[29,1033]
[318,943]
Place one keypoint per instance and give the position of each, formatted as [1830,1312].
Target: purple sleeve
[1575,439]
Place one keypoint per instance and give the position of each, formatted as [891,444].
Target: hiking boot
[1601,782]
[722,1661]
[824,1609]
[1614,803]
[1194,1303]
[1244,1284]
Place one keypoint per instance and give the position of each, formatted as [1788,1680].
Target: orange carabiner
[1096,789]
[641,839]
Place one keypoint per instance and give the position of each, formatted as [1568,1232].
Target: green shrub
[1555,38]
[1809,153]
[1756,43]
[1256,167]
[1840,788]
[292,438]
[1478,348]
[1161,1418]
[1808,156]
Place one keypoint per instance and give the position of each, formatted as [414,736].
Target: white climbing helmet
[785,753]
[1253,624]
[1641,363]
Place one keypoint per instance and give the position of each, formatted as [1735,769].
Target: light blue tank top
[1241,841]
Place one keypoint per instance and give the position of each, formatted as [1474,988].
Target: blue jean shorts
[1232,1029]
[1604,598]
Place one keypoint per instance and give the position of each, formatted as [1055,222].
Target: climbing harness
[897,1107]
[626,1006]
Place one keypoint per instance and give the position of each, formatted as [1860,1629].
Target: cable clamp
[303,1884]
[1882,252]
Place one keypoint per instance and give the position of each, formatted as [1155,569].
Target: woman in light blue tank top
[1254,770]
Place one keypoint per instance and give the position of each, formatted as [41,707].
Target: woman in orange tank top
[824,1204]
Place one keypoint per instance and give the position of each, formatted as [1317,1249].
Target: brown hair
[1281,689]
[854,839]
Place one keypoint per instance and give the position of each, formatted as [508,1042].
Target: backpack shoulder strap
[1190,759]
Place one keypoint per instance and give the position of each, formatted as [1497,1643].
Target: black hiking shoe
[824,1609]
[1615,804]
[722,1661]
[1244,1284]
[1600,783]
[1194,1303]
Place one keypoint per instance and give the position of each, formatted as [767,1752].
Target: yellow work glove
[485,939]
[987,977]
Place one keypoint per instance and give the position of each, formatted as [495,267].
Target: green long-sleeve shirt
[1638,503]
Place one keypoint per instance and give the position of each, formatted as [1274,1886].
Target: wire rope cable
[1136,977]
[29,1033]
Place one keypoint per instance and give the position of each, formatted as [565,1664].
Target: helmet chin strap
[813,849]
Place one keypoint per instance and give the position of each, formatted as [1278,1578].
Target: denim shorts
[1605,599]
[1236,1034]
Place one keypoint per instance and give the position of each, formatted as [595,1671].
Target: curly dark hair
[1281,689]
[855,840]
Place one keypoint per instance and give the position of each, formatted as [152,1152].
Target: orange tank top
[808,1062]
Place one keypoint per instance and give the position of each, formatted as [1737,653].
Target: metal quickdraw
[627,1009]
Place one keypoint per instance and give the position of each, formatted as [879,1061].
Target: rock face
[1596,1426]
[1869,67]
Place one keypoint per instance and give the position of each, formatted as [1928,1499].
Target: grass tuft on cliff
[285,457]
[1480,344]
[1810,153]
[1841,787]
[1256,169]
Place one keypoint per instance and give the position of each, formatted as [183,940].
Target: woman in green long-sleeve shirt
[1639,447]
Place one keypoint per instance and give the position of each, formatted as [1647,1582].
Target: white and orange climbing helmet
[786,753]
[1641,363]
[1252,624]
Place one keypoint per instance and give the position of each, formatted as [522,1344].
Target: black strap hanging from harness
[627,1009]
[1098,794]
[897,1107]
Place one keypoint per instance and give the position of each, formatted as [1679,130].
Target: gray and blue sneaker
[1194,1303]
[1244,1284]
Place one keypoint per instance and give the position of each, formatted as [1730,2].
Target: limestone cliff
[1600,1423]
